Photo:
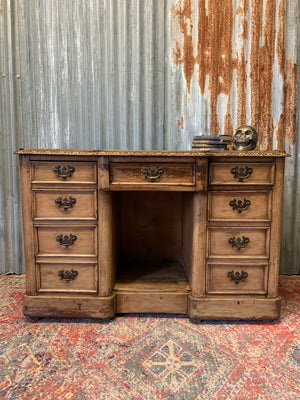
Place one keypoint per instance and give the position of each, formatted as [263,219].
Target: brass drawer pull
[65,203]
[152,174]
[237,276]
[241,173]
[239,243]
[65,240]
[63,171]
[239,205]
[67,275]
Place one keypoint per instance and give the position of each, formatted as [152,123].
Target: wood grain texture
[259,209]
[70,307]
[155,174]
[233,308]
[218,244]
[106,244]
[46,207]
[197,279]
[142,247]
[276,229]
[58,153]
[85,281]
[171,303]
[221,174]
[103,168]
[28,231]
[85,244]
[152,277]
[151,226]
[83,173]
[218,281]
[188,233]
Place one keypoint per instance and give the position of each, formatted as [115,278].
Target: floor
[147,357]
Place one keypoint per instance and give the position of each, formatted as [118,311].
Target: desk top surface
[152,153]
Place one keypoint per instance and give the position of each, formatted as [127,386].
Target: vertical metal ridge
[132,74]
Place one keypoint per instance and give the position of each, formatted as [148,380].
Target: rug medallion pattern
[148,357]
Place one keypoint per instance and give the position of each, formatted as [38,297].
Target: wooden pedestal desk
[182,232]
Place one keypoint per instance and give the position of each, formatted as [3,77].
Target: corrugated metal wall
[145,74]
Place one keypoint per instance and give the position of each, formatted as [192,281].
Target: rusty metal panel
[145,74]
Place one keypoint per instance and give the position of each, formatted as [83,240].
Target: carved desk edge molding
[149,153]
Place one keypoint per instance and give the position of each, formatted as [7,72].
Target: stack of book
[211,143]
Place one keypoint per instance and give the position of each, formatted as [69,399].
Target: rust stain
[177,54]
[290,102]
[211,57]
[220,23]
[214,51]
[286,128]
[242,10]
[241,82]
[241,76]
[181,123]
[261,72]
[280,50]
[256,31]
[184,15]
[280,46]
[202,45]
[266,77]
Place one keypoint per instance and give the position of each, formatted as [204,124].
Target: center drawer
[152,174]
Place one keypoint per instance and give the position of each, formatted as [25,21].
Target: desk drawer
[236,278]
[152,174]
[64,172]
[67,241]
[239,206]
[241,174]
[67,278]
[65,204]
[238,242]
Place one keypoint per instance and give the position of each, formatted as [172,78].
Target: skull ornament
[245,138]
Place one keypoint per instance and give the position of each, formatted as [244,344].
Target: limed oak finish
[186,232]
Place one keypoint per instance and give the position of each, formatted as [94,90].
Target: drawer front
[65,204]
[141,174]
[238,242]
[67,278]
[239,278]
[67,241]
[64,172]
[239,206]
[241,174]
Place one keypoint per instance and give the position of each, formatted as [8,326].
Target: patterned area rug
[148,357]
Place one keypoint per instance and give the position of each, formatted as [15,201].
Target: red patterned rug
[148,357]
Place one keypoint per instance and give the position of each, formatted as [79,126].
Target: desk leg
[106,244]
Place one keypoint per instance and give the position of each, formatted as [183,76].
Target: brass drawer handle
[237,276]
[152,174]
[239,243]
[65,203]
[65,240]
[239,205]
[67,275]
[241,173]
[63,171]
